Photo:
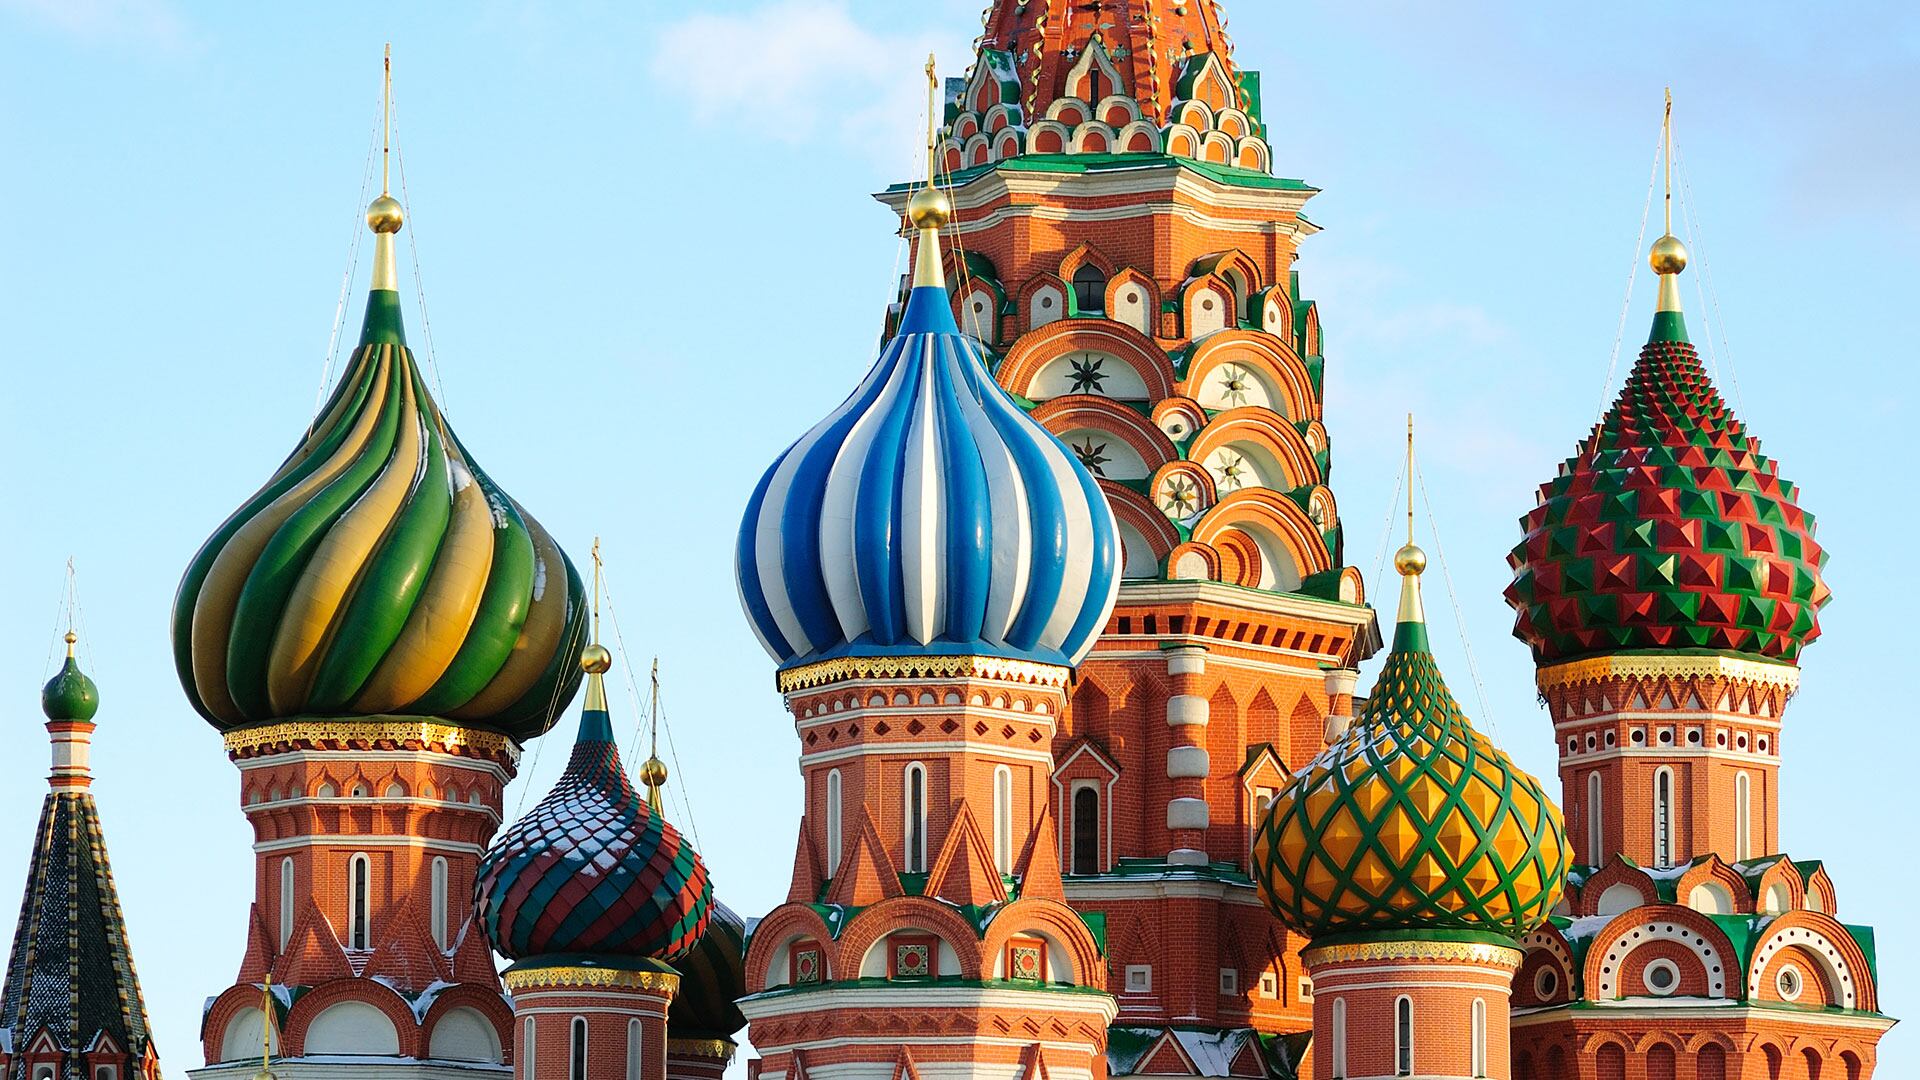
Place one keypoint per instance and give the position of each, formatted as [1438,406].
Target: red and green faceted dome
[1667,529]
[592,871]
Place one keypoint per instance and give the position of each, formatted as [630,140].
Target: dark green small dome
[70,695]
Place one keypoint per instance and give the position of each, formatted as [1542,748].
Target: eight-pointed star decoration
[1087,375]
[1180,497]
[1092,456]
[1233,384]
[1232,470]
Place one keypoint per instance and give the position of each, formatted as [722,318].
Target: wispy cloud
[151,24]
[801,71]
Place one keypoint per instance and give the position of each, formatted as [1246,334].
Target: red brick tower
[375,633]
[927,564]
[1122,250]
[1667,583]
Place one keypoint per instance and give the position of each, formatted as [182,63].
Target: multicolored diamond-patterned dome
[592,870]
[1412,820]
[1667,529]
[380,571]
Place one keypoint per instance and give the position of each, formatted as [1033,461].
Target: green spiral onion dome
[1667,529]
[70,695]
[1411,820]
[381,571]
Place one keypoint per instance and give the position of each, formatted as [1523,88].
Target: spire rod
[933,123]
[1669,255]
[654,773]
[1410,561]
[384,214]
[595,660]
[1409,478]
[929,209]
[1666,142]
[386,116]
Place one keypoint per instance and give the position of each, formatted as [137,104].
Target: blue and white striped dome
[928,515]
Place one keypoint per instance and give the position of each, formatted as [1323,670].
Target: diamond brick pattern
[1412,821]
[1667,529]
[592,870]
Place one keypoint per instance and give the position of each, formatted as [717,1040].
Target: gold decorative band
[401,731]
[666,983]
[1681,666]
[920,667]
[718,1049]
[1452,952]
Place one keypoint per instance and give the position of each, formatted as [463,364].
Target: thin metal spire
[386,116]
[1666,142]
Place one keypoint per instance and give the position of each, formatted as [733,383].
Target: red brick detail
[293,1036]
[408,955]
[1038,867]
[313,954]
[258,959]
[867,873]
[809,875]
[491,1004]
[1053,920]
[909,913]
[1168,1059]
[473,957]
[963,872]
[782,926]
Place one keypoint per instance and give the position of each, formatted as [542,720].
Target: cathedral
[1059,601]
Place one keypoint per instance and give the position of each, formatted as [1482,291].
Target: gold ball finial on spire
[929,208]
[384,215]
[654,773]
[595,659]
[1668,256]
[1410,561]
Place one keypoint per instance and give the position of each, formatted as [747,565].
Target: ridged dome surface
[928,514]
[1412,820]
[591,870]
[380,571]
[1667,529]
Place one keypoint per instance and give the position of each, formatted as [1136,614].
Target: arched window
[1403,1036]
[1663,817]
[1479,1037]
[1086,830]
[1596,837]
[524,1052]
[633,1050]
[286,901]
[1003,819]
[359,894]
[916,804]
[577,1055]
[833,821]
[1089,290]
[439,901]
[103,1072]
[1813,1062]
[1340,1039]
[1742,816]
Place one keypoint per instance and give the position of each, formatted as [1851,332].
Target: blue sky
[651,260]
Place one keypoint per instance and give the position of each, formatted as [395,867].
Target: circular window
[1591,743]
[1789,983]
[1638,736]
[1721,738]
[1206,305]
[1046,301]
[1741,742]
[1662,977]
[1666,737]
[1763,744]
[1610,738]
[1693,737]
[1546,983]
[1133,297]
[1573,745]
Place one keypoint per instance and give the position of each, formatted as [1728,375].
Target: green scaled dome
[1412,820]
[1667,529]
[381,571]
[70,695]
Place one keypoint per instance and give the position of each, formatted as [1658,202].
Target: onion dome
[712,977]
[70,695]
[1411,820]
[591,871]
[380,571]
[928,514]
[1667,529]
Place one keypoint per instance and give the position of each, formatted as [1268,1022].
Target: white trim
[1003,819]
[1742,815]
[643,1006]
[1667,1010]
[634,1049]
[1223,659]
[835,799]
[910,829]
[785,1002]
[1596,814]
[1634,934]
[525,1052]
[408,801]
[1479,1037]
[359,904]
[1664,849]
[439,895]
[1339,1038]
[1823,952]
[346,840]
[912,750]
[1672,971]
[287,885]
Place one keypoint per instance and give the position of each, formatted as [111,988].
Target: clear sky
[651,260]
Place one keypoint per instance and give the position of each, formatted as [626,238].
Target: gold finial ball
[654,772]
[1669,255]
[1410,561]
[930,208]
[384,215]
[595,659]
[72,637]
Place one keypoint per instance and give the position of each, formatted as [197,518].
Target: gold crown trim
[920,667]
[569,977]
[720,1049]
[340,734]
[1594,669]
[1458,952]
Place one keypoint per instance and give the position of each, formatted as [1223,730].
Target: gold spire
[384,215]
[930,209]
[1669,255]
[1410,561]
[266,1030]
[654,773]
[595,660]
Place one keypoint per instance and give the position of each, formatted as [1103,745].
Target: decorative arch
[1277,518]
[1133,299]
[1182,140]
[1179,418]
[1105,414]
[1048,137]
[1033,352]
[898,913]
[1617,872]
[1140,137]
[1193,562]
[1276,363]
[787,924]
[1268,437]
[1822,937]
[1117,110]
[1094,137]
[489,1004]
[1094,75]
[1714,872]
[365,992]
[1546,948]
[1607,955]
[1058,923]
[1819,894]
[1206,306]
[1152,529]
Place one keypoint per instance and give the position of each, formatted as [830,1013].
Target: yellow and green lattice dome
[1411,820]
